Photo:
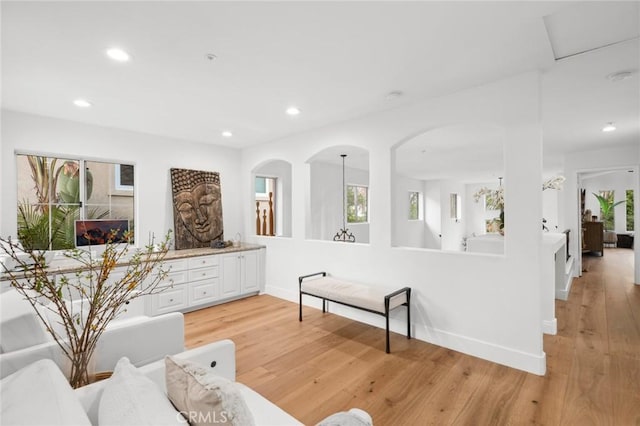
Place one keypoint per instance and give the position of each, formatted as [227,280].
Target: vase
[80,369]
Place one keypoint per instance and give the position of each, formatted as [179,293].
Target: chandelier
[343,234]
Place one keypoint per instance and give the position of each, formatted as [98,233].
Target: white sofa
[143,339]
[223,354]
[42,385]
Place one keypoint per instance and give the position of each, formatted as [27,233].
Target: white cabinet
[249,281]
[230,280]
[204,282]
[240,273]
[198,281]
[169,300]
[174,295]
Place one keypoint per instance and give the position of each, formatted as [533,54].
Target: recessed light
[292,110]
[393,95]
[227,134]
[82,103]
[609,127]
[118,54]
[619,76]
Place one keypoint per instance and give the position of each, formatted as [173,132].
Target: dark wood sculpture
[258,218]
[197,208]
[271,228]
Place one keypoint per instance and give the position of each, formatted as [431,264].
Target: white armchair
[143,339]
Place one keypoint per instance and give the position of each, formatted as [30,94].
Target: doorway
[607,213]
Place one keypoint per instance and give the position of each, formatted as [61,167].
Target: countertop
[61,264]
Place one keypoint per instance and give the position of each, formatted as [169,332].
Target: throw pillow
[353,417]
[131,398]
[203,397]
[39,394]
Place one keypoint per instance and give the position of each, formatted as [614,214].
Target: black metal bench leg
[323,308]
[300,314]
[386,315]
[409,314]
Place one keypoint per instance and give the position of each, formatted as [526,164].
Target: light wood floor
[328,363]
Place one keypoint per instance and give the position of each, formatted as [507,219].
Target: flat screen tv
[97,232]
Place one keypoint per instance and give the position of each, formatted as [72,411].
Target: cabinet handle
[204,274]
[170,300]
[204,292]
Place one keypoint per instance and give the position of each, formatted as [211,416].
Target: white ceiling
[334,60]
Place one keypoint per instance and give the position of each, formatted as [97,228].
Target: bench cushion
[360,295]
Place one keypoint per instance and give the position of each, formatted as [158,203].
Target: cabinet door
[230,278]
[249,272]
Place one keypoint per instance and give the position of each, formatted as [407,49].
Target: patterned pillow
[203,397]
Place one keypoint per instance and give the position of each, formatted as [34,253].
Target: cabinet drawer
[171,300]
[202,262]
[203,274]
[175,265]
[175,278]
[202,292]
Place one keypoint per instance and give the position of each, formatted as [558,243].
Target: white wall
[153,157]
[408,233]
[452,231]
[487,306]
[433,214]
[550,209]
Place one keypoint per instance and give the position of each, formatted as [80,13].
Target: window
[630,210]
[414,206]
[261,187]
[123,177]
[357,204]
[55,192]
[265,199]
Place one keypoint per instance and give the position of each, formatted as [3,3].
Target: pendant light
[344,235]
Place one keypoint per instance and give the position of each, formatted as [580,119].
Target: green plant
[607,206]
[42,230]
[45,179]
[86,304]
[69,183]
[630,224]
[49,224]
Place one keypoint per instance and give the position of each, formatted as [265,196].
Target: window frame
[82,161]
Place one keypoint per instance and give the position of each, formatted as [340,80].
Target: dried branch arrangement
[84,304]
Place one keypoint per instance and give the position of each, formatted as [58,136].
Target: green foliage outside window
[357,204]
[630,210]
[414,206]
[607,203]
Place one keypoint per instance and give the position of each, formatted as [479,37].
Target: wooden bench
[359,296]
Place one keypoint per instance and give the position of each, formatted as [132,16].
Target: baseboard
[491,352]
[531,363]
[563,294]
[281,293]
[550,327]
